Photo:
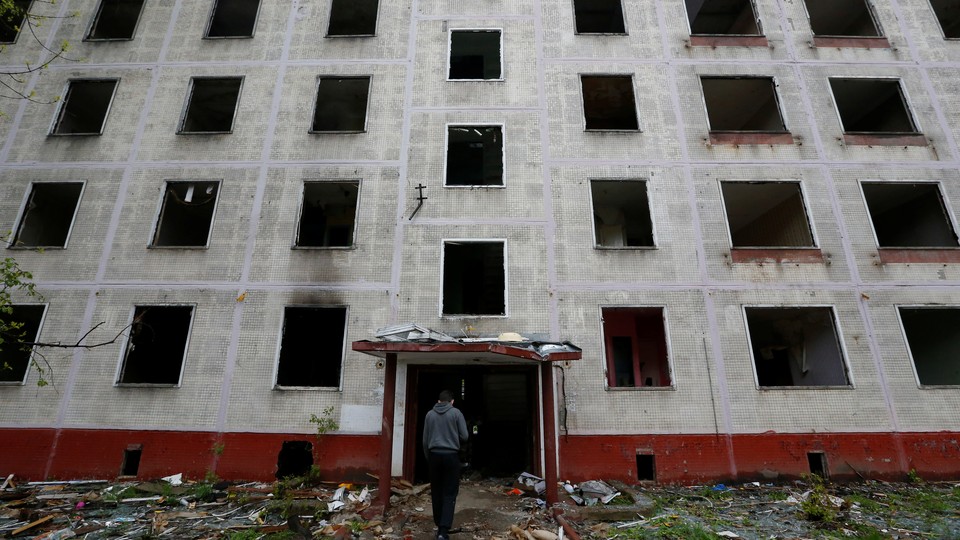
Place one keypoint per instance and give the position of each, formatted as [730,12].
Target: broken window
[84,107]
[766,215]
[842,18]
[311,347]
[328,214]
[48,216]
[948,15]
[156,345]
[474,278]
[233,18]
[474,156]
[211,105]
[796,346]
[19,328]
[599,17]
[742,104]
[909,215]
[475,54]
[186,215]
[115,19]
[723,18]
[608,102]
[341,104]
[13,19]
[635,342]
[934,343]
[621,213]
[353,18]
[872,106]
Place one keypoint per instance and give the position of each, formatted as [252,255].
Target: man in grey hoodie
[443,430]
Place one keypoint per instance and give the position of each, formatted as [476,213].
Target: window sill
[192,248]
[91,134]
[939,386]
[824,387]
[729,41]
[601,34]
[146,385]
[919,255]
[101,40]
[777,255]
[740,137]
[854,42]
[500,79]
[13,383]
[885,139]
[306,388]
[323,248]
[342,132]
[217,38]
[475,186]
[462,316]
[22,247]
[349,35]
[205,132]
[640,388]
[612,130]
[624,248]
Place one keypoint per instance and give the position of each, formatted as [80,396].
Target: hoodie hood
[442,407]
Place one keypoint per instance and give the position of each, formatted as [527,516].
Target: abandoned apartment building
[671,241]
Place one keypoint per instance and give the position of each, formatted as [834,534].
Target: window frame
[506,278]
[776,99]
[96,16]
[376,24]
[343,349]
[503,154]
[61,109]
[22,21]
[870,10]
[906,343]
[756,19]
[606,359]
[653,226]
[161,207]
[503,66]
[30,357]
[356,214]
[121,365]
[951,219]
[21,214]
[623,15]
[213,12]
[803,199]
[939,24]
[904,98]
[316,103]
[583,101]
[189,99]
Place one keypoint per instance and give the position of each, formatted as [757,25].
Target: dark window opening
[474,156]
[295,458]
[742,104]
[599,17]
[84,108]
[13,20]
[353,18]
[475,54]
[621,214]
[636,347]
[818,464]
[841,18]
[233,18]
[311,347]
[49,215]
[157,345]
[341,104]
[130,465]
[608,102]
[646,470]
[872,106]
[19,329]
[934,343]
[766,215]
[474,278]
[328,215]
[948,15]
[187,214]
[909,216]
[116,19]
[722,18]
[796,346]
[212,105]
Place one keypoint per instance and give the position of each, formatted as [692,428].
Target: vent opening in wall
[295,458]
[646,469]
[130,465]
[818,464]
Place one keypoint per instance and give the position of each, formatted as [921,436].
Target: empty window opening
[233,18]
[311,347]
[157,345]
[130,465]
[621,214]
[341,104]
[874,106]
[818,464]
[723,18]
[608,102]
[295,458]
[909,215]
[48,215]
[474,278]
[474,156]
[934,343]
[766,215]
[599,17]
[948,15]
[211,105]
[842,18]
[796,346]
[636,347]
[328,215]
[116,19]
[353,18]
[742,104]
[14,18]
[20,328]
[84,107]
[475,54]
[186,215]
[646,470]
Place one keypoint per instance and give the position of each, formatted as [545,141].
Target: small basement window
[742,104]
[353,18]
[635,344]
[608,103]
[156,345]
[475,55]
[646,468]
[115,19]
[872,106]
[328,215]
[341,105]
[211,105]
[948,15]
[13,20]
[796,346]
[621,214]
[474,156]
[311,347]
[130,466]
[20,328]
[233,18]
[48,216]
[766,215]
[474,278]
[186,215]
[599,17]
[909,215]
[83,110]
[295,459]
[934,343]
[723,18]
[842,18]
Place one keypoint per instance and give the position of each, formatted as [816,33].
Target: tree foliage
[26,22]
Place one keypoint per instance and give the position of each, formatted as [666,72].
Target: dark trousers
[444,487]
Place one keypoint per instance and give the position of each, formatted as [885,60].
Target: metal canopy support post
[386,429]
[549,434]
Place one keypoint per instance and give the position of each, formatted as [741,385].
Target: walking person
[444,429]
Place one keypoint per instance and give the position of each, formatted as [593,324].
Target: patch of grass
[246,534]
[866,503]
[670,530]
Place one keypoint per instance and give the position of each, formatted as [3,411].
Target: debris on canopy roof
[412,332]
